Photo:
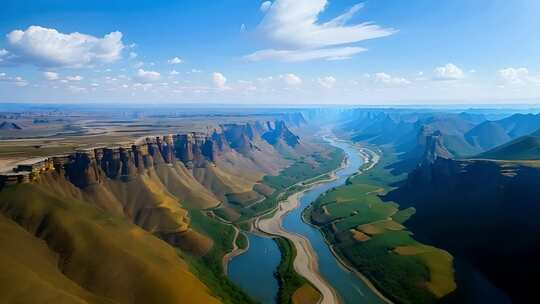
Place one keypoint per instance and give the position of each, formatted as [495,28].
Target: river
[253,270]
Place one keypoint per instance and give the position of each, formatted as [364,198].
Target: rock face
[279,133]
[483,211]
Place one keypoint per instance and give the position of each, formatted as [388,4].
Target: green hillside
[523,148]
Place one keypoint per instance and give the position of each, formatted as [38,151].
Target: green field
[368,232]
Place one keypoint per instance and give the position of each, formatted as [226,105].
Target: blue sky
[271,52]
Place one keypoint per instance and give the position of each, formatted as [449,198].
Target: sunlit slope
[30,273]
[103,254]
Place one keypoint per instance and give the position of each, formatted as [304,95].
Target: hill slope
[89,255]
[524,148]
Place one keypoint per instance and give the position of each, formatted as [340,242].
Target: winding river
[253,270]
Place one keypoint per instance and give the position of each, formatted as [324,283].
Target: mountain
[523,148]
[9,126]
[108,222]
[490,134]
[481,211]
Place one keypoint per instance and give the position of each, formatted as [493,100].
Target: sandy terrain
[305,263]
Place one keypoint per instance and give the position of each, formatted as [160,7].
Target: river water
[253,270]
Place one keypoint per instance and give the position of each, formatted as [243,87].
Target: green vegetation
[218,283]
[302,169]
[209,268]
[286,182]
[368,232]
[523,148]
[242,241]
[289,281]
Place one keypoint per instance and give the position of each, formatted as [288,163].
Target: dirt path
[234,252]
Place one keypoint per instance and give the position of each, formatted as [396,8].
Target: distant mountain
[9,126]
[491,134]
[524,148]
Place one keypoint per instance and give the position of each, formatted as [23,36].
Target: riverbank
[305,263]
[370,159]
[236,251]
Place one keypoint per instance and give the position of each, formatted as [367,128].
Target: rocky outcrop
[279,133]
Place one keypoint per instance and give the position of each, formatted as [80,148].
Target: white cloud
[18,81]
[175,60]
[45,47]
[50,75]
[389,80]
[220,81]
[195,71]
[133,55]
[291,79]
[305,55]
[265,6]
[327,82]
[292,26]
[148,76]
[449,72]
[516,76]
[75,78]
[174,72]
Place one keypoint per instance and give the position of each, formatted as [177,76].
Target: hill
[491,134]
[524,148]
[9,126]
[85,255]
[483,211]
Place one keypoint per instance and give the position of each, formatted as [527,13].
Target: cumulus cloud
[517,76]
[174,72]
[449,72]
[50,75]
[387,79]
[147,76]
[291,79]
[175,60]
[265,6]
[220,81]
[293,27]
[327,82]
[45,47]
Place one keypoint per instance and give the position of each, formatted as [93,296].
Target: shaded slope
[523,148]
[483,211]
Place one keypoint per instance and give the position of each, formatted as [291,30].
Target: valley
[286,207]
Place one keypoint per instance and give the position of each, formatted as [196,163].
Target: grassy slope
[209,268]
[523,148]
[103,254]
[30,273]
[420,276]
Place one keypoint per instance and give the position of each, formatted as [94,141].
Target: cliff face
[280,134]
[483,211]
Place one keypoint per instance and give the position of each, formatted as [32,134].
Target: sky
[282,52]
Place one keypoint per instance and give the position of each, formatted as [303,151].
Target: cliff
[482,211]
